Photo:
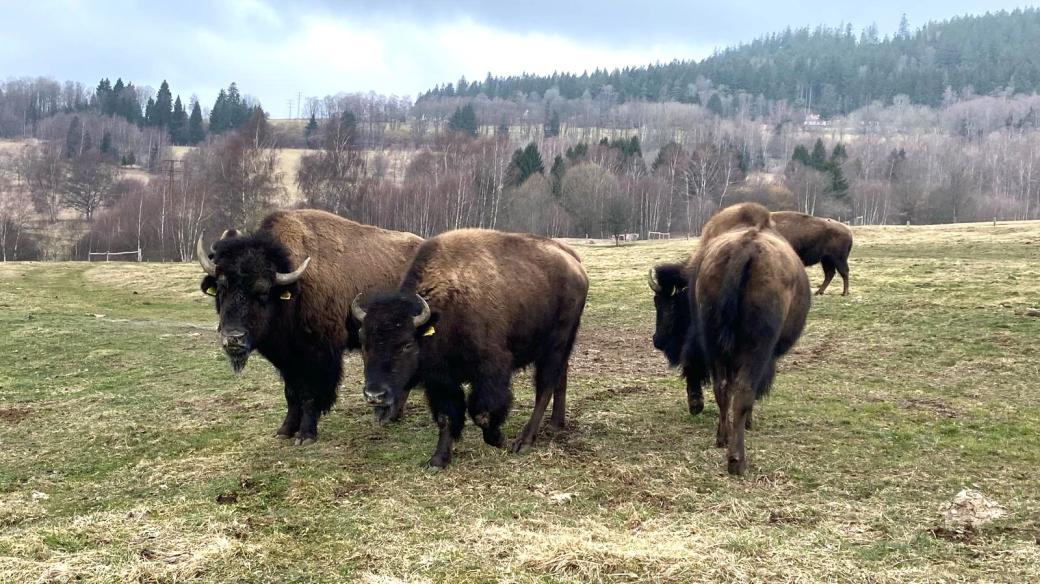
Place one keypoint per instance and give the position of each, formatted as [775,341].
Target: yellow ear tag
[286,295]
[212,290]
[429,332]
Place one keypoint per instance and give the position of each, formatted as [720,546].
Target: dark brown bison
[474,307]
[285,291]
[818,241]
[729,313]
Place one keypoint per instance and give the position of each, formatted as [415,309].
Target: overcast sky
[277,49]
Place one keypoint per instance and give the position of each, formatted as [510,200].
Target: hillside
[833,68]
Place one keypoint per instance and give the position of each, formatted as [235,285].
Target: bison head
[671,302]
[253,284]
[392,327]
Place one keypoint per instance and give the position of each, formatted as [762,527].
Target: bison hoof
[737,466]
[696,407]
[520,445]
[436,464]
[721,442]
[302,441]
[279,435]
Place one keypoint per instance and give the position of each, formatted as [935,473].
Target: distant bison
[818,241]
[727,314]
[285,291]
[475,306]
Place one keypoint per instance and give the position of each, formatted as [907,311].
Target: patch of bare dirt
[14,415]
[930,404]
[603,351]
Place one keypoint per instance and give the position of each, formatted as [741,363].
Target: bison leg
[718,385]
[291,424]
[843,269]
[547,376]
[314,392]
[828,275]
[488,405]
[448,406]
[559,408]
[694,393]
[741,401]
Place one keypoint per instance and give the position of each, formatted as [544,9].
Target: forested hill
[833,68]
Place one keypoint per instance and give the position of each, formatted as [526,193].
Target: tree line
[832,70]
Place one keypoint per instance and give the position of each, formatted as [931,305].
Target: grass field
[129,452]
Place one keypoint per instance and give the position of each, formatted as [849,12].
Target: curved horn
[423,315]
[356,310]
[286,279]
[651,279]
[229,233]
[207,264]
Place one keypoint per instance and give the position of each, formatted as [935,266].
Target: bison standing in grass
[474,307]
[729,313]
[818,241]
[285,292]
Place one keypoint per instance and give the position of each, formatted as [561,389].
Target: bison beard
[746,301]
[475,306]
[272,298]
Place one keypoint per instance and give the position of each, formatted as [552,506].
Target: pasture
[129,451]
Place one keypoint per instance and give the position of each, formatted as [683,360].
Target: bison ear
[670,278]
[428,330]
[209,286]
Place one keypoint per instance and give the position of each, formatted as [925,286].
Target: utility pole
[170,167]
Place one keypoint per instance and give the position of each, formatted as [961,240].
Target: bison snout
[377,395]
[232,340]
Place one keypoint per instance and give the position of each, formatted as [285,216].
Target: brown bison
[818,241]
[285,291]
[474,307]
[727,315]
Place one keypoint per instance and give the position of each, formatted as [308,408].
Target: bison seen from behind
[744,298]
[474,307]
[818,241]
[285,292]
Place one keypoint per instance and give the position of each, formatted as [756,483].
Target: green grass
[129,452]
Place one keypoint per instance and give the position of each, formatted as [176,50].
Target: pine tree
[552,126]
[163,106]
[196,132]
[309,130]
[818,158]
[801,154]
[559,168]
[715,104]
[464,120]
[218,116]
[525,162]
[179,123]
[149,113]
[103,97]
[88,142]
[106,143]
[74,138]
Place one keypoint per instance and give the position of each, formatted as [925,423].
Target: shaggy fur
[818,241]
[746,300]
[305,335]
[499,302]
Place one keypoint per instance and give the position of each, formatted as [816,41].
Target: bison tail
[722,315]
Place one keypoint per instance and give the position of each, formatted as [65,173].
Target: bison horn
[652,280]
[229,233]
[207,264]
[355,309]
[286,279]
[424,314]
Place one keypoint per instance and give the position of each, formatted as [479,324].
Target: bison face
[250,292]
[671,303]
[392,327]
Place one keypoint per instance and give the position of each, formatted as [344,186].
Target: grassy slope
[150,461]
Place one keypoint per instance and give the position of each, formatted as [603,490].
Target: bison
[818,241]
[729,313]
[285,292]
[474,306]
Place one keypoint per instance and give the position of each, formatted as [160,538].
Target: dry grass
[130,453]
